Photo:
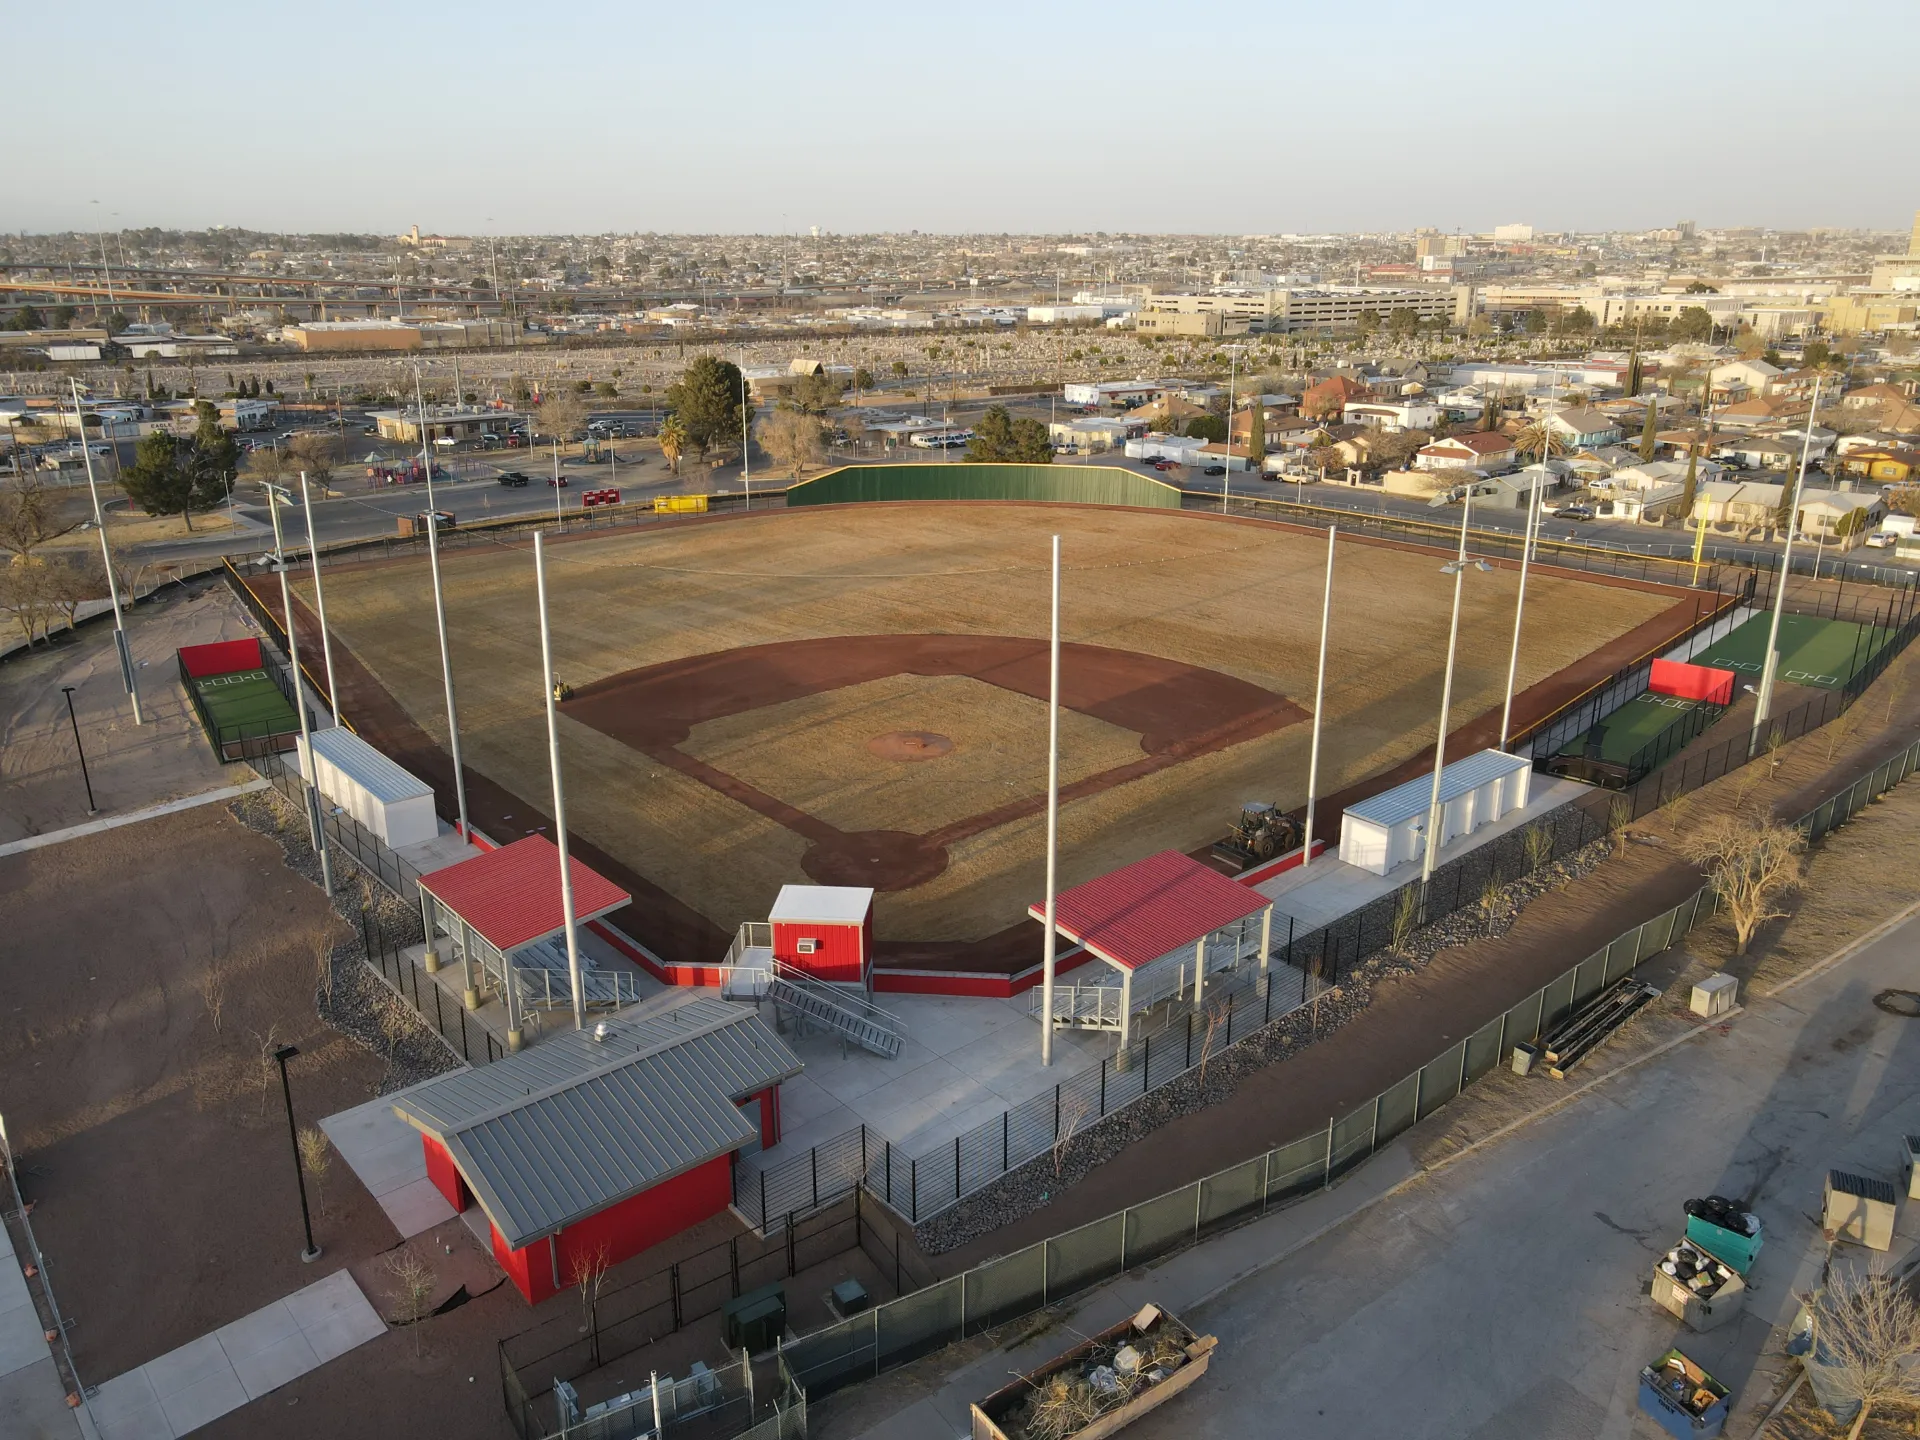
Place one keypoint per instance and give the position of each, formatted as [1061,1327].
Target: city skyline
[1077,120]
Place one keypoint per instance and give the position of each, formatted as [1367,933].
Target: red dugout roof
[512,895]
[1150,908]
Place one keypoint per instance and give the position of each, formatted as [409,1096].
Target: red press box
[1691,682]
[825,931]
[222,657]
[591,498]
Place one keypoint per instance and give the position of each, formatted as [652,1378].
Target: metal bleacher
[540,969]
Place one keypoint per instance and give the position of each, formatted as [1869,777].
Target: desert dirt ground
[147,969]
[1238,597]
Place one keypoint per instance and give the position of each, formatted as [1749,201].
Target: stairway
[841,1010]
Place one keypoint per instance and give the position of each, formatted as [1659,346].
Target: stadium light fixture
[559,795]
[1457,568]
[278,495]
[1053,814]
[1529,537]
[319,598]
[1319,695]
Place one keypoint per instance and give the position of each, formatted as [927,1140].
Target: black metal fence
[635,1312]
[468,1039]
[344,833]
[1010,1286]
[234,743]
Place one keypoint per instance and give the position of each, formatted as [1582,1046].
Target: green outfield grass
[1822,653]
[1634,725]
[246,704]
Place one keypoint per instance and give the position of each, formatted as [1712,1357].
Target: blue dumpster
[1689,1403]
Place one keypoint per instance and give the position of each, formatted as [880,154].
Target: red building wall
[626,1228]
[769,1115]
[445,1174]
[842,953]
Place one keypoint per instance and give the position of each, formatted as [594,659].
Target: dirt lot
[154,1138]
[1236,597]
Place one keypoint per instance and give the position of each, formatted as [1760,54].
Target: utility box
[1715,996]
[1687,1401]
[1697,1287]
[1524,1054]
[756,1321]
[1859,1208]
[1910,1165]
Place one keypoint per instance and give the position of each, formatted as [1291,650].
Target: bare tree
[316,1158]
[589,1273]
[25,594]
[30,515]
[269,1067]
[395,1024]
[413,1297]
[1619,814]
[561,413]
[317,453]
[1538,846]
[794,439]
[1866,1329]
[1752,863]
[1074,1110]
[1406,918]
[72,580]
[1215,1015]
[270,465]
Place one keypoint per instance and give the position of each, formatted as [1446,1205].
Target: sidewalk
[33,1402]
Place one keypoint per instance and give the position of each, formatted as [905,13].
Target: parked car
[1573,512]
[559,480]
[514,479]
[1882,540]
[1214,470]
[491,442]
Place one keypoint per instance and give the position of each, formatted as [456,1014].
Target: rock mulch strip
[356,1000]
[1027,1187]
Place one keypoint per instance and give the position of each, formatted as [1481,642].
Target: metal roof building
[1158,923]
[564,1132]
[1389,829]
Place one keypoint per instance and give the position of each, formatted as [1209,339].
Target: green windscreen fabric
[1087,484]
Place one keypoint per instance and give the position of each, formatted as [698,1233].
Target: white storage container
[1715,996]
[389,801]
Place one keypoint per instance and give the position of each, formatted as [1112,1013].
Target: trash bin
[1524,1054]
[1689,1403]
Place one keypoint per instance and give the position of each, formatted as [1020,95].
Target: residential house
[1886,465]
[1750,507]
[1868,397]
[1278,427]
[1761,410]
[1331,397]
[1487,450]
[1824,514]
[1759,452]
[1756,376]
[1393,416]
[1585,428]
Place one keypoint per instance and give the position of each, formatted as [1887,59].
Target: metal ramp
[842,1010]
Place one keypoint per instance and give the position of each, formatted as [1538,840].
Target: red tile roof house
[1331,397]
[1480,450]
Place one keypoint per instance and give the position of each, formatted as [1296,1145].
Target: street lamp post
[80,750]
[1319,695]
[316,827]
[320,598]
[1226,477]
[746,434]
[106,557]
[284,1054]
[1053,811]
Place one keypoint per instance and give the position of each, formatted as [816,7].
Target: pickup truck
[513,479]
[1101,1385]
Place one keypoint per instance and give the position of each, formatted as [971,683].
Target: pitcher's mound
[910,745]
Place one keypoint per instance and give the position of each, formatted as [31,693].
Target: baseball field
[857,694]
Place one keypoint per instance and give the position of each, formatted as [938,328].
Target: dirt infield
[763,654]
[1176,711]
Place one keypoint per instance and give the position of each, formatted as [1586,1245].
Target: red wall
[626,1228]
[769,1115]
[445,1174]
[1691,682]
[220,657]
[843,951]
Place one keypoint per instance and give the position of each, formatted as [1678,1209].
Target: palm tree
[673,439]
[1541,439]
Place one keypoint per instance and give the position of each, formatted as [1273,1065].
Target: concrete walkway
[132,817]
[205,1378]
[33,1402]
[1504,1288]
[385,1153]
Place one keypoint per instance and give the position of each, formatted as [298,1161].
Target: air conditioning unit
[807,947]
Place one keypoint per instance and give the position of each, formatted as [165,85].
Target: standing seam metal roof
[1150,908]
[572,1125]
[1411,798]
[378,775]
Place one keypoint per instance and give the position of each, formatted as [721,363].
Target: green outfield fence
[966,480]
[1011,1286]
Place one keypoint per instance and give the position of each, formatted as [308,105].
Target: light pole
[1457,567]
[320,599]
[1527,534]
[1763,698]
[1319,693]
[316,827]
[1053,811]
[1226,476]
[284,1054]
[746,433]
[559,793]
[80,750]
[106,558]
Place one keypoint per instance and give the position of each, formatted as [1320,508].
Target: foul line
[114,822]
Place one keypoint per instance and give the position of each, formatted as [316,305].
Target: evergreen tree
[1783,513]
[1648,434]
[711,401]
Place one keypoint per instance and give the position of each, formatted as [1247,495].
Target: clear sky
[479,117]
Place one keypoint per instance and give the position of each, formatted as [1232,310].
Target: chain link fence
[1011,1286]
